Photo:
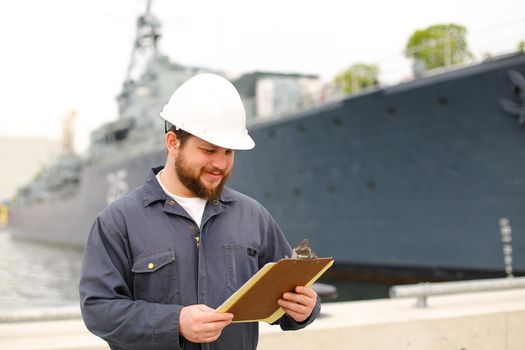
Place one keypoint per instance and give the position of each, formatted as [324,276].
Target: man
[160,259]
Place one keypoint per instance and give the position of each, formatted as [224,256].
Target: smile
[213,176]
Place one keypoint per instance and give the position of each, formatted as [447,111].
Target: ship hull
[416,176]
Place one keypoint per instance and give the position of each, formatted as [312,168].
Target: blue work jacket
[146,258]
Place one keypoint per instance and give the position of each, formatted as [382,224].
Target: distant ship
[402,183]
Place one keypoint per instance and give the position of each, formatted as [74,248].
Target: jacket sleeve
[277,247]
[107,304]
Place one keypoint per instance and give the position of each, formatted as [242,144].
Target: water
[37,275]
[34,275]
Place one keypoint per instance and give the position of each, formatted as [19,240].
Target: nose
[221,161]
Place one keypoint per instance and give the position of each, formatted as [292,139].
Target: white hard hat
[209,107]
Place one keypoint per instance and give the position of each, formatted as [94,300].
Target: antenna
[145,45]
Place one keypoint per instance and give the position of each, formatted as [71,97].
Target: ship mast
[145,45]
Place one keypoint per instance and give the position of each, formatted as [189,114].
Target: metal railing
[424,290]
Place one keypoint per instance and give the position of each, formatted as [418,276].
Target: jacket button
[216,202]
[171,202]
[151,266]
[192,227]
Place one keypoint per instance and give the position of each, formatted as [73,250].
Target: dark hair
[181,135]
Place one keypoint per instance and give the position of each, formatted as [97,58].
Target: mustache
[213,170]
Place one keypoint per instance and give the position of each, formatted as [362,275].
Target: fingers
[202,324]
[214,316]
[296,298]
[302,295]
[211,331]
[203,307]
[205,314]
[292,306]
[299,305]
[308,291]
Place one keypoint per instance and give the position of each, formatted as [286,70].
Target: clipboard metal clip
[303,251]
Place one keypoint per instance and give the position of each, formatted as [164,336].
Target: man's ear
[172,142]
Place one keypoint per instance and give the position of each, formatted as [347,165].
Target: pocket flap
[153,262]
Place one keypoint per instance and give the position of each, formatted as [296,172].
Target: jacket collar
[152,192]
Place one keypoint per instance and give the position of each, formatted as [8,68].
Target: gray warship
[407,182]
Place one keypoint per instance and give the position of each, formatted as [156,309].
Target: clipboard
[257,299]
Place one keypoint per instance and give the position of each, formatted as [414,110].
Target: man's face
[203,168]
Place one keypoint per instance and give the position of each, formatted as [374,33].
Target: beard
[192,180]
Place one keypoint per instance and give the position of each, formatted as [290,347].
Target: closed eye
[209,150]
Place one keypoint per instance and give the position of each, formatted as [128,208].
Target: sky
[62,55]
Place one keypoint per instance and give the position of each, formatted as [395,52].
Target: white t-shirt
[193,205]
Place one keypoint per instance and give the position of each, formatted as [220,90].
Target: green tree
[440,45]
[357,77]
[521,46]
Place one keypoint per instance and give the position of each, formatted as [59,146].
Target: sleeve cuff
[167,319]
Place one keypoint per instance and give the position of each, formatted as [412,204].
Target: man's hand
[202,324]
[299,305]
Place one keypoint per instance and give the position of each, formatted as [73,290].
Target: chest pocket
[155,277]
[241,264]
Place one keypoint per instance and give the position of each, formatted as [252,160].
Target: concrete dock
[480,321]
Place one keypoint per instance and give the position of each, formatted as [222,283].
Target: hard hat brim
[238,144]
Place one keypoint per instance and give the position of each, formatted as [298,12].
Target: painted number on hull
[117,185]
